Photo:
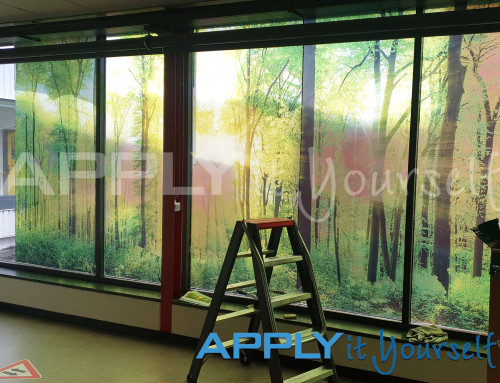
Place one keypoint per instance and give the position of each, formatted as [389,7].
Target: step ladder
[262,311]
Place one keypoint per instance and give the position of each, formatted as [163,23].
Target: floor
[67,353]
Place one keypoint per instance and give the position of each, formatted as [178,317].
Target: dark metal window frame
[100,193]
[478,24]
[408,26]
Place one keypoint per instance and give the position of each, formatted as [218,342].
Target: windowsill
[80,284]
[337,325]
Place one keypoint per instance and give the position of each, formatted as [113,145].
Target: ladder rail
[273,245]
[217,298]
[262,311]
[306,274]
[264,301]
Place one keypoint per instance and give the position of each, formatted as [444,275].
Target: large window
[49,137]
[55,210]
[134,141]
[362,109]
[353,106]
[458,155]
[246,120]
[247,125]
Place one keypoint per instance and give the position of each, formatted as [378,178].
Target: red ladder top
[269,223]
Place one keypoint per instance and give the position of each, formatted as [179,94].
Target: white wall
[84,303]
[8,81]
[7,223]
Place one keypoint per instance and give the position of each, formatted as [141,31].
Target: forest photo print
[247,117]
[248,139]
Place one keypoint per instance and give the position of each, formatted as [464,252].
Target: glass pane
[362,113]
[247,125]
[471,4]
[457,158]
[134,146]
[365,13]
[54,145]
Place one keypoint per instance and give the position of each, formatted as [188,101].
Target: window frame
[100,210]
[406,321]
[431,24]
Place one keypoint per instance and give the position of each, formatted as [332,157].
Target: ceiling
[35,10]
[28,11]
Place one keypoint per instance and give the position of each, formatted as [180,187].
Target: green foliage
[133,263]
[468,303]
[361,124]
[50,249]
[428,294]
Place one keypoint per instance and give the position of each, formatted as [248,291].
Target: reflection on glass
[362,109]
[457,158]
[55,118]
[134,141]
[247,124]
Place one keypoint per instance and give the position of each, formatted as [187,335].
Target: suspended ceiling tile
[120,5]
[9,13]
[47,8]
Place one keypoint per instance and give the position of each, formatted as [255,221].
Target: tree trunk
[398,214]
[316,224]
[117,232]
[26,175]
[247,173]
[378,230]
[265,195]
[484,163]
[145,120]
[329,230]
[336,235]
[484,160]
[424,251]
[444,163]
[34,169]
[278,190]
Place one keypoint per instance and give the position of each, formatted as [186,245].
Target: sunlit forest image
[248,124]
[247,119]
[134,125]
[55,115]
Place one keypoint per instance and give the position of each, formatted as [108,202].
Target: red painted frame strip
[173,142]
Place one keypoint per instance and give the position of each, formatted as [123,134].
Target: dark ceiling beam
[431,24]
[257,11]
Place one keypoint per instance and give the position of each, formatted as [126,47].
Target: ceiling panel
[28,10]
[46,8]
[9,14]
[119,5]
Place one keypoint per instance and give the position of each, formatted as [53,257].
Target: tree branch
[354,67]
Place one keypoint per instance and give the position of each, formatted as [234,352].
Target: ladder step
[269,223]
[230,343]
[286,299]
[240,285]
[245,254]
[312,376]
[306,336]
[282,260]
[237,314]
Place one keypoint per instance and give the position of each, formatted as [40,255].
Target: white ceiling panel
[28,10]
[119,5]
[9,14]
[46,8]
